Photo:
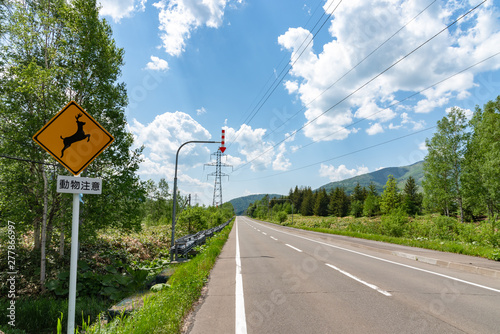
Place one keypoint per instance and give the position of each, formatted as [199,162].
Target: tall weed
[395,223]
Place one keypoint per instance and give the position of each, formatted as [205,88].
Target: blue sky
[194,67]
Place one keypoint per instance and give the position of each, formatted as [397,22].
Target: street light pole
[175,192]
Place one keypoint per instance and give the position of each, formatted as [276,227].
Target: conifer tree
[390,199]
[321,203]
[412,200]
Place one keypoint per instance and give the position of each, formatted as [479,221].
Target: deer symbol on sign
[79,135]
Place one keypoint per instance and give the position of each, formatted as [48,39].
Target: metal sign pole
[75,161]
[74,263]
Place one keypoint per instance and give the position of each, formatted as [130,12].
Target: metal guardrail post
[188,242]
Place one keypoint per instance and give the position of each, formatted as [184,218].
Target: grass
[164,311]
[40,315]
[37,311]
[430,231]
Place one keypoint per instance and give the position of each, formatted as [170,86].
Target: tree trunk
[61,237]
[460,204]
[36,236]
[44,230]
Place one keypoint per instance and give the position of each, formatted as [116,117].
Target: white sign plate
[79,185]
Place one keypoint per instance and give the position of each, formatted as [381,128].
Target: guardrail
[184,245]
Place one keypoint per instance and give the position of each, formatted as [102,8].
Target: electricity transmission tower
[218,174]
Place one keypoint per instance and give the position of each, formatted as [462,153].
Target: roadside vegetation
[164,311]
[112,265]
[456,209]
[431,231]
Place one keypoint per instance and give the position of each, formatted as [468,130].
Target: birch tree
[444,162]
[54,51]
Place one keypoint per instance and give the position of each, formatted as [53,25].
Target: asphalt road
[272,279]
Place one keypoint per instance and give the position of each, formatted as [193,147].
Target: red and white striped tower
[223,147]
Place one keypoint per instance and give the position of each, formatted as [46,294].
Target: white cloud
[374,129]
[281,163]
[234,161]
[164,135]
[341,172]
[370,110]
[201,111]
[119,9]
[178,18]
[291,86]
[408,123]
[251,145]
[358,28]
[157,64]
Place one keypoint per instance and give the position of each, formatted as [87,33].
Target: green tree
[372,189]
[359,194]
[297,197]
[371,207]
[158,203]
[390,199]
[412,200]
[339,203]
[481,179]
[59,52]
[193,220]
[444,162]
[356,208]
[321,203]
[307,207]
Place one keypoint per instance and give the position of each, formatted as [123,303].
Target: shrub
[356,208]
[446,228]
[395,223]
[281,216]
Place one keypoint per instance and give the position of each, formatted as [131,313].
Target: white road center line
[274,238]
[298,250]
[374,287]
[240,321]
[264,233]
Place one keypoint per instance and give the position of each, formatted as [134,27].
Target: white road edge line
[374,287]
[240,321]
[298,250]
[393,262]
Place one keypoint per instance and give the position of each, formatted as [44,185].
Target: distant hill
[240,204]
[379,178]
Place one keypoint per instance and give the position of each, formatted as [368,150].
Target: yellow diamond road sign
[73,137]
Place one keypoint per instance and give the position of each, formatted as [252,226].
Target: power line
[290,66]
[400,101]
[279,65]
[27,160]
[352,68]
[283,73]
[365,84]
[341,156]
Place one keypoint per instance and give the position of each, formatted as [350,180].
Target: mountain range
[379,178]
